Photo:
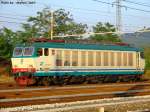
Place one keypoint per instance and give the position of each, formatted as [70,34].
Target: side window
[125,59]
[74,58]
[130,59]
[83,58]
[119,58]
[39,52]
[142,55]
[98,58]
[90,58]
[66,58]
[59,58]
[46,52]
[106,63]
[112,59]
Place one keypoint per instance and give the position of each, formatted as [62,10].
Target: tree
[63,24]
[107,27]
[6,43]
[29,32]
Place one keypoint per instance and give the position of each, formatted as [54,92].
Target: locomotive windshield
[28,51]
[18,51]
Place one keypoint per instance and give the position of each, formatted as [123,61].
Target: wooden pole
[52,25]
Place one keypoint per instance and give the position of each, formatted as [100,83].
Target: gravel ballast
[122,104]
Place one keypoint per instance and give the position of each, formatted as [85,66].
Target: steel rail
[73,87]
[74,95]
[79,104]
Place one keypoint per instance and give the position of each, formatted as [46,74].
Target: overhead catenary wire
[99,33]
[97,12]
[88,33]
[16,18]
[70,7]
[10,14]
[137,3]
[91,11]
[124,6]
[13,22]
[84,10]
[136,17]
[81,9]
[90,23]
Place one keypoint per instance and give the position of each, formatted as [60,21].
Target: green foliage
[147,57]
[6,43]
[107,27]
[63,24]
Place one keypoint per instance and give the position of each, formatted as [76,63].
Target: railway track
[75,95]
[81,104]
[17,97]
[72,87]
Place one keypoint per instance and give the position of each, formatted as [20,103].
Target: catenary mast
[118,17]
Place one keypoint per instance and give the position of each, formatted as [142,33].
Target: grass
[5,76]
[147,74]
[147,61]
[147,57]
[6,79]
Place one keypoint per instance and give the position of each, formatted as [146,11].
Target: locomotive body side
[61,61]
[76,63]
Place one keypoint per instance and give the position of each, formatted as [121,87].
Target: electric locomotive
[57,62]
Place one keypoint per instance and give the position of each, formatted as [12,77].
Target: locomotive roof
[84,46]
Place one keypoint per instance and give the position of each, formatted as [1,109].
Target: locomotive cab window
[142,55]
[18,51]
[46,52]
[28,51]
[39,52]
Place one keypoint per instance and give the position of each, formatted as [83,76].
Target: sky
[84,11]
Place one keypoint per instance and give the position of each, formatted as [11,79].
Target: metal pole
[118,17]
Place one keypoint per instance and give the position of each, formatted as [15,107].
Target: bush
[147,57]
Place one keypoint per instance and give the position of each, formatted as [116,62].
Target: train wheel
[93,79]
[83,79]
[106,79]
[46,81]
[114,79]
[60,80]
[125,79]
[100,79]
[138,78]
[68,80]
[38,81]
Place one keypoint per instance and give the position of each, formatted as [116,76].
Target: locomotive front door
[45,59]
